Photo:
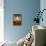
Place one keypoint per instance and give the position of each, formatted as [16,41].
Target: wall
[25,7]
[1,20]
[43,6]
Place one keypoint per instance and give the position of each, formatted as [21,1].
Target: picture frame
[17,19]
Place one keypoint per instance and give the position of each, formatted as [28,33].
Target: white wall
[1,20]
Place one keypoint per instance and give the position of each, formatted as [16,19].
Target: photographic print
[17,19]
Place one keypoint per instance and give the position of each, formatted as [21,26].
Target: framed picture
[17,19]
